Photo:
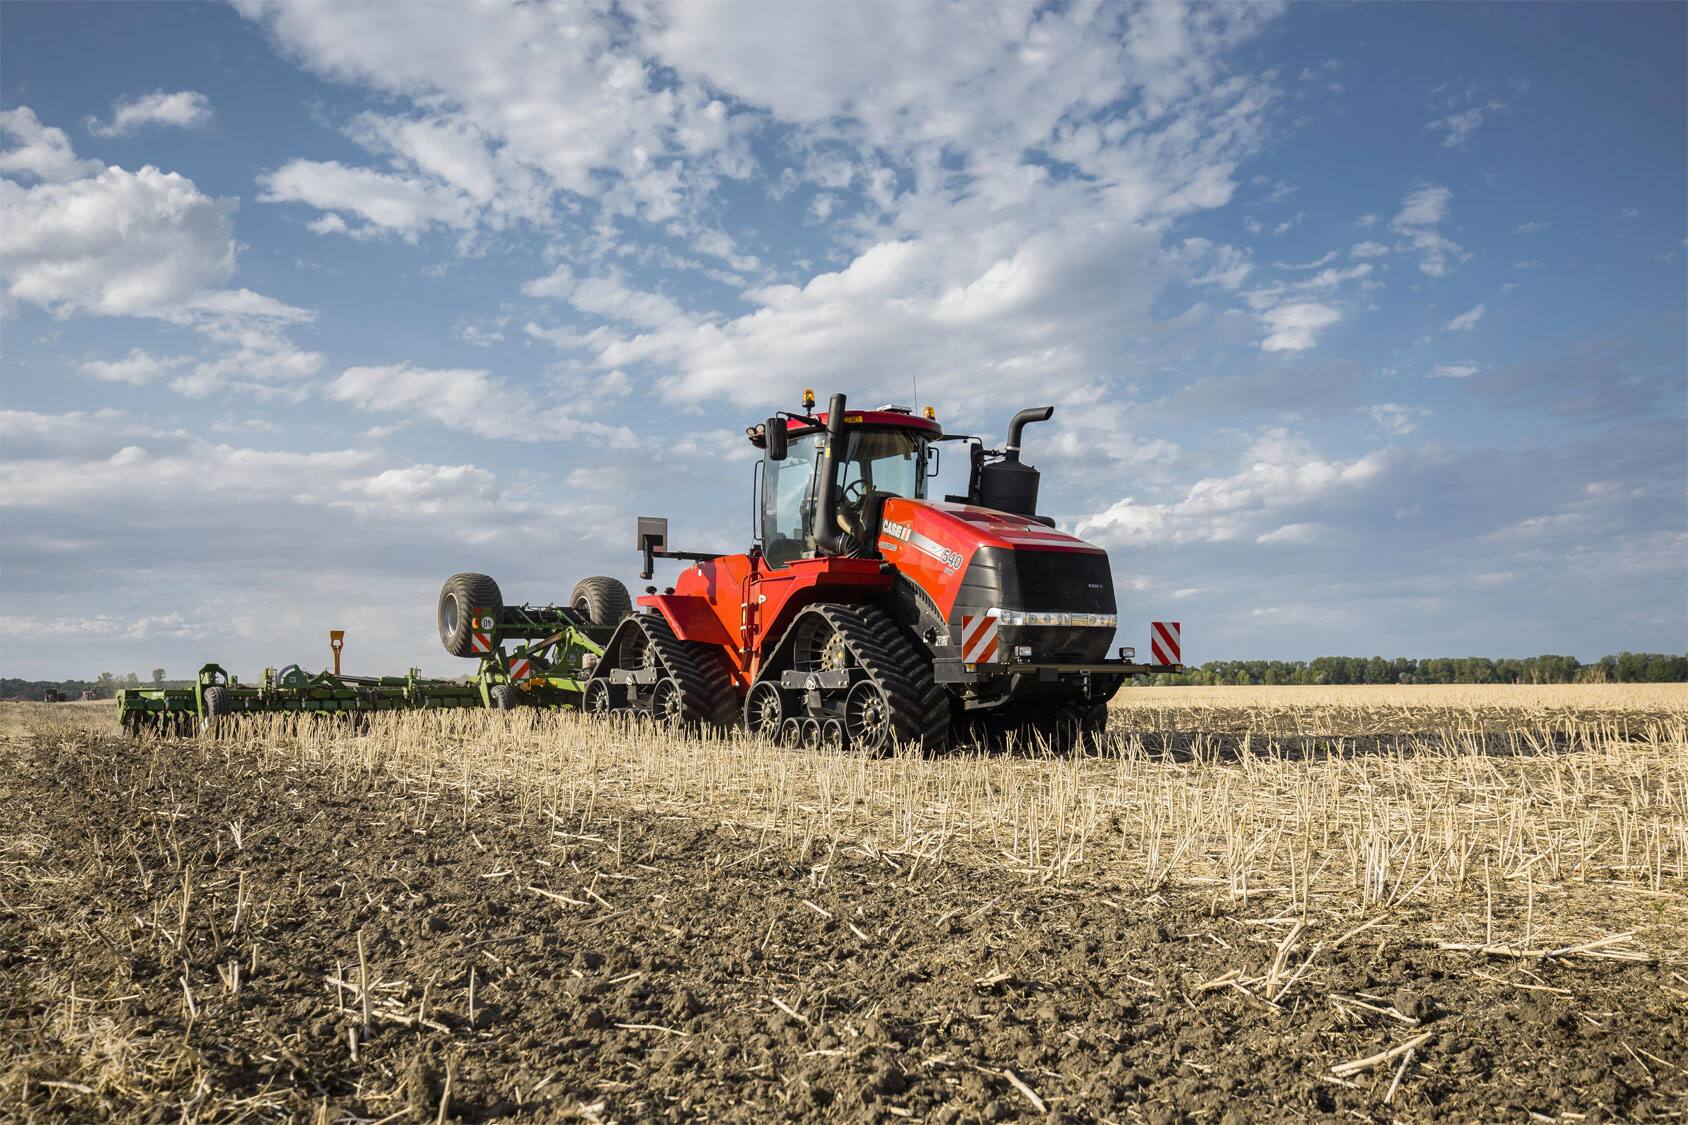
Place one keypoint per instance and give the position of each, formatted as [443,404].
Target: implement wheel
[218,707]
[601,600]
[503,697]
[460,597]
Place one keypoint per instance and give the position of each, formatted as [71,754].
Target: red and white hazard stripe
[520,669]
[480,640]
[1163,642]
[978,638]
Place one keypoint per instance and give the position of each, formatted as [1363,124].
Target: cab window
[788,502]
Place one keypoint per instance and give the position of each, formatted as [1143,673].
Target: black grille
[1078,582]
[1040,581]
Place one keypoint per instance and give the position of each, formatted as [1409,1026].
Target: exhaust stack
[1006,484]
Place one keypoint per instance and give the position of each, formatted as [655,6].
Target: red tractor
[869,614]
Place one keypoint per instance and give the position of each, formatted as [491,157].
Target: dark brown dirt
[694,971]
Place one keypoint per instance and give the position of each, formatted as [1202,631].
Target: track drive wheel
[598,699]
[691,687]
[765,711]
[894,699]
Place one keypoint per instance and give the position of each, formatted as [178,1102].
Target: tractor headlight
[1066,620]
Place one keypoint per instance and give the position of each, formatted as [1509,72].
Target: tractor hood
[935,545]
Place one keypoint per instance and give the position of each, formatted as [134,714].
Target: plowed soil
[188,931]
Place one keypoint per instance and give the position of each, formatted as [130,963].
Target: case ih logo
[1163,642]
[950,557]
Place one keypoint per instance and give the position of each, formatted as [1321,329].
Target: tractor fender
[691,617]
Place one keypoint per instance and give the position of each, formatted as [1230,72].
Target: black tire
[918,709]
[218,707]
[462,594]
[693,682]
[601,600]
[502,697]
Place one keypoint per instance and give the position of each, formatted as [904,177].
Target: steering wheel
[850,506]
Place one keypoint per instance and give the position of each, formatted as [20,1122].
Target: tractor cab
[883,453]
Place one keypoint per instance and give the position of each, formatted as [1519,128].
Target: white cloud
[139,367]
[40,151]
[404,205]
[1293,533]
[1398,419]
[468,399]
[1423,208]
[1454,370]
[1420,212]
[1465,321]
[1367,250]
[1532,227]
[1462,125]
[1294,327]
[607,297]
[118,243]
[183,109]
[1280,476]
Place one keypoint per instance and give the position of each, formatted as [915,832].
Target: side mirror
[653,537]
[774,436]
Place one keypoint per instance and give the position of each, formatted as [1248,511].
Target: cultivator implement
[535,656]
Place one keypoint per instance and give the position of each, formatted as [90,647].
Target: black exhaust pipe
[1011,451]
[1007,485]
[828,537]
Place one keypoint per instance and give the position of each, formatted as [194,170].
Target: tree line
[104,686]
[1624,668]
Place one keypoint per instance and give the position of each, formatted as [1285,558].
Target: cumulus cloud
[39,151]
[1280,477]
[468,399]
[1464,370]
[183,109]
[118,243]
[384,202]
[1295,327]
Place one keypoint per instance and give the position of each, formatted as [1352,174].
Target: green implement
[529,656]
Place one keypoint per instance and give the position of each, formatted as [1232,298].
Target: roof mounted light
[930,414]
[808,398]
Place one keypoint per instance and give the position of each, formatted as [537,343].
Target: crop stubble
[1412,902]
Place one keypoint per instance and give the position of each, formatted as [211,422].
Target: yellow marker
[931,415]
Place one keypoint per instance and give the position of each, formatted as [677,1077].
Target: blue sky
[1364,324]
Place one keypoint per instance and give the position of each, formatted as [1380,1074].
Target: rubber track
[707,697]
[920,708]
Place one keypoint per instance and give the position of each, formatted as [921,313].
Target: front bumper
[949,668]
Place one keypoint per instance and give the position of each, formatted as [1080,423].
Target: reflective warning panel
[1164,642]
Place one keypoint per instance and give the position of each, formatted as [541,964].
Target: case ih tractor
[867,614]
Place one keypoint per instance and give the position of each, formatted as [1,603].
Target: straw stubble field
[1466,903]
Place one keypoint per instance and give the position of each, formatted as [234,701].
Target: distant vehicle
[87,694]
[52,695]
